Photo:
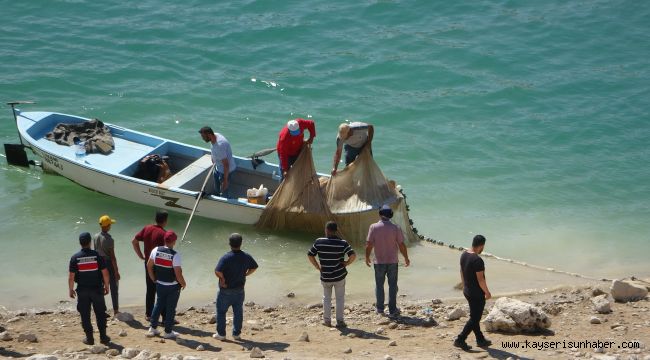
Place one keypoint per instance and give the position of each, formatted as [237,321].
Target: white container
[80,149]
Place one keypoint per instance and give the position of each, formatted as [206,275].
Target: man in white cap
[291,140]
[352,137]
[386,239]
[105,246]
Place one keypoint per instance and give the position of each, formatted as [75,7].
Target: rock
[122,333]
[213,319]
[5,336]
[130,353]
[436,301]
[515,316]
[268,326]
[189,357]
[27,338]
[597,291]
[392,343]
[256,328]
[13,320]
[304,337]
[628,290]
[42,357]
[456,314]
[291,295]
[124,317]
[601,304]
[594,320]
[256,353]
[380,331]
[112,352]
[250,304]
[314,306]
[352,335]
[392,326]
[200,348]
[98,349]
[388,357]
[347,351]
[143,355]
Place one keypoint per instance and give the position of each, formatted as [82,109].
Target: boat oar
[196,204]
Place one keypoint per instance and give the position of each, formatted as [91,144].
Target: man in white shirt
[222,157]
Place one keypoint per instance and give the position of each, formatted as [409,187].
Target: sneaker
[327,323]
[461,344]
[88,341]
[152,332]
[341,324]
[170,335]
[219,337]
[147,318]
[236,337]
[483,342]
[395,313]
[105,340]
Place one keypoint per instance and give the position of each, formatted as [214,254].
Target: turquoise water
[524,121]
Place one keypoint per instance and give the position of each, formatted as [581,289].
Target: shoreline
[423,331]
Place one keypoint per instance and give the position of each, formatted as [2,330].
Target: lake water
[525,122]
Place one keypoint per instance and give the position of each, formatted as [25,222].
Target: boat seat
[189,172]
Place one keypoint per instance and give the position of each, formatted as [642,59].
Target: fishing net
[298,203]
[352,198]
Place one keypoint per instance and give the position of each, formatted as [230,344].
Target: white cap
[293,125]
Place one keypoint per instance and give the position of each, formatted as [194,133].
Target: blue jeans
[166,301]
[383,271]
[225,299]
[218,177]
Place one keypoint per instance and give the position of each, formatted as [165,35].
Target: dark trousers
[351,153]
[150,295]
[291,161]
[476,306]
[225,299]
[113,284]
[87,297]
[167,300]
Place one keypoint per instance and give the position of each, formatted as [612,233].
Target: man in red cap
[105,246]
[164,268]
[291,141]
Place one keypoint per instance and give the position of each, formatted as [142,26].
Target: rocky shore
[587,316]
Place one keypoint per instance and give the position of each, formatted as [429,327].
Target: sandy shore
[421,332]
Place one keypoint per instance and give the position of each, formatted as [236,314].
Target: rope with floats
[432,241]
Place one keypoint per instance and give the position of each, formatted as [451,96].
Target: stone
[380,331]
[112,352]
[143,355]
[436,301]
[515,316]
[304,337]
[213,319]
[98,349]
[314,306]
[42,357]
[392,326]
[628,290]
[597,291]
[124,316]
[5,336]
[392,343]
[594,320]
[130,353]
[602,304]
[27,338]
[189,357]
[122,333]
[352,335]
[256,353]
[456,314]
[250,304]
[268,326]
[291,295]
[200,348]
[388,357]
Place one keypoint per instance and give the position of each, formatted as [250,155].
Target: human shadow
[195,332]
[414,321]
[13,354]
[500,354]
[115,346]
[362,334]
[193,344]
[249,344]
[136,324]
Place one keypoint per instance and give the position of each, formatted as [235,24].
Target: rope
[432,241]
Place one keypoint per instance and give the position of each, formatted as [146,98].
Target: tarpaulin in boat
[94,133]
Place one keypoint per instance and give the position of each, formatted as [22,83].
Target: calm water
[526,122]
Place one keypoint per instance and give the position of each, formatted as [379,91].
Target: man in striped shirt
[331,251]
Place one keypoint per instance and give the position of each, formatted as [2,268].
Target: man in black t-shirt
[89,271]
[472,273]
[331,251]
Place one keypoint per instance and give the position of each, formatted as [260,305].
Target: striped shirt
[331,254]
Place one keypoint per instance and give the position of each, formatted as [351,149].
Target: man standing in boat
[331,251]
[291,141]
[386,239]
[88,270]
[352,138]
[105,246]
[222,157]
[475,290]
[152,236]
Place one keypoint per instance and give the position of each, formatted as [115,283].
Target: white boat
[113,174]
